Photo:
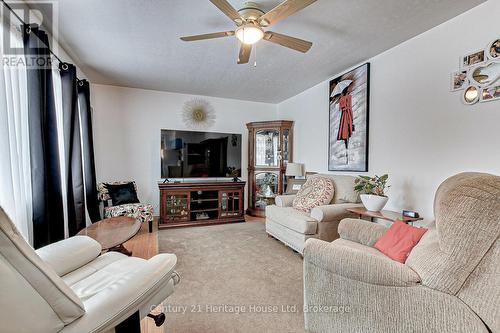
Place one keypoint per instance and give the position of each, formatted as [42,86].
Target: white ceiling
[135,43]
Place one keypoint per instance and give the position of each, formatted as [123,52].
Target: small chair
[143,212]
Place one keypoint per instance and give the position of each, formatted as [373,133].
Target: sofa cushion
[361,231]
[142,212]
[69,254]
[358,262]
[317,191]
[293,219]
[98,264]
[289,237]
[121,269]
[284,200]
[344,188]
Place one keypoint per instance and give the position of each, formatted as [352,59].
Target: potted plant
[371,190]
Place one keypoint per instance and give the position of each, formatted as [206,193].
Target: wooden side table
[384,215]
[113,232]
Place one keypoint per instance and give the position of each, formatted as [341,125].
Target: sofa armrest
[108,308]
[333,213]
[361,231]
[284,200]
[69,254]
[358,262]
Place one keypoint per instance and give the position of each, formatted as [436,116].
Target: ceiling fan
[251,21]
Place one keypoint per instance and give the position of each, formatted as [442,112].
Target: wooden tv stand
[201,203]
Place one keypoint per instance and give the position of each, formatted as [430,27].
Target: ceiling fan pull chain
[255,57]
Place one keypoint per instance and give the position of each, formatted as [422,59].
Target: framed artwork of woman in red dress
[349,120]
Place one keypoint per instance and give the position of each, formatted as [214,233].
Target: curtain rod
[48,47]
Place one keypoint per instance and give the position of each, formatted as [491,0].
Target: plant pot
[374,203]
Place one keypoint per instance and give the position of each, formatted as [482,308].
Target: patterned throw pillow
[317,191]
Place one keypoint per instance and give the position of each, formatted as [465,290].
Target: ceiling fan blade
[287,41]
[208,36]
[283,10]
[229,10]
[244,55]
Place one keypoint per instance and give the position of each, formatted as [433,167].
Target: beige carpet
[226,269]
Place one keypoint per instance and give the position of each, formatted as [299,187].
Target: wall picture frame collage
[479,75]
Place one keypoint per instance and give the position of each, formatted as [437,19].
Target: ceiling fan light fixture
[264,23]
[249,34]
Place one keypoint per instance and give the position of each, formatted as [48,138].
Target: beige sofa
[294,227]
[450,282]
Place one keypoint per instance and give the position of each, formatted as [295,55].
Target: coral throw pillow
[316,191]
[399,240]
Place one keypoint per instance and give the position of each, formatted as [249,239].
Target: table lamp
[294,170]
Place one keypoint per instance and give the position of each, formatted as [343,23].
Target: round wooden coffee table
[111,233]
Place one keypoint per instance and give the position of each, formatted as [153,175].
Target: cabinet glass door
[266,189]
[177,207]
[267,148]
[230,204]
[286,146]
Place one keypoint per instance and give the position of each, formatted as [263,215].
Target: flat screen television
[189,154]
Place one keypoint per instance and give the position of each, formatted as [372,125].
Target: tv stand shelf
[201,203]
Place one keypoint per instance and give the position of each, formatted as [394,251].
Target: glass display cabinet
[270,149]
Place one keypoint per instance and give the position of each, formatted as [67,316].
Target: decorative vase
[374,203]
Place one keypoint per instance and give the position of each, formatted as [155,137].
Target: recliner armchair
[449,283]
[69,286]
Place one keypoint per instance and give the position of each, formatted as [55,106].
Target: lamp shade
[249,33]
[294,169]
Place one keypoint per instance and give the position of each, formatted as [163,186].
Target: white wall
[127,125]
[420,132]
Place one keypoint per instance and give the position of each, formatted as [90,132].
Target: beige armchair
[294,227]
[449,283]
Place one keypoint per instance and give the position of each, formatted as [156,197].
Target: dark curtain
[72,149]
[88,151]
[48,217]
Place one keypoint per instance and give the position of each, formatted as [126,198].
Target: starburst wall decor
[198,114]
